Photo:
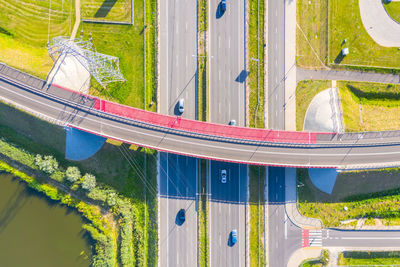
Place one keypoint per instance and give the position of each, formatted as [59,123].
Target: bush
[47,164]
[89,182]
[73,174]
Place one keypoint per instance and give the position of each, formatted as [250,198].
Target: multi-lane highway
[177,182]
[227,102]
[178,174]
[227,212]
[227,62]
[276,64]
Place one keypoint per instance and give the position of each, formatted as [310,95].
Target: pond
[35,231]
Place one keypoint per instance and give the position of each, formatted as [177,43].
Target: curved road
[359,152]
[379,25]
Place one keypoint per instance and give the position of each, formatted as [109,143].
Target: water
[37,232]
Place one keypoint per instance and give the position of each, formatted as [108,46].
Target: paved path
[303,74]
[379,25]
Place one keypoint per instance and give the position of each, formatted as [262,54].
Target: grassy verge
[151,55]
[257,200]
[25,29]
[312,33]
[203,217]
[106,10]
[135,208]
[370,106]
[127,43]
[368,258]
[203,65]
[256,68]
[354,191]
[305,92]
[345,23]
[393,9]
[319,262]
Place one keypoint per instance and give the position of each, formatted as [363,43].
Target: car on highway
[223,176]
[181,216]
[223,6]
[181,104]
[232,122]
[233,237]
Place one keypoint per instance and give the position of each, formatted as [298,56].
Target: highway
[228,212]
[276,64]
[227,77]
[178,241]
[227,62]
[178,174]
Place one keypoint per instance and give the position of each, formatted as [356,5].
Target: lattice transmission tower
[104,68]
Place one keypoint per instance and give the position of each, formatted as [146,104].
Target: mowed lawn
[305,92]
[393,9]
[110,10]
[312,33]
[371,194]
[25,27]
[345,23]
[127,43]
[369,258]
[370,106]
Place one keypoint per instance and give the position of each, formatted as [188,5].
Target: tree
[47,164]
[73,174]
[89,182]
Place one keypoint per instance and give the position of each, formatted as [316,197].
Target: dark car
[223,5]
[181,216]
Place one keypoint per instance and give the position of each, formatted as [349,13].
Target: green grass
[256,185]
[305,92]
[380,106]
[393,9]
[312,33]
[345,23]
[108,165]
[319,262]
[368,258]
[108,10]
[203,65]
[203,242]
[256,69]
[24,32]
[127,43]
[353,190]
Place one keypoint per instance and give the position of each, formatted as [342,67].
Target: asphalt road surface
[178,240]
[360,238]
[276,64]
[227,212]
[227,62]
[178,56]
[178,174]
[284,237]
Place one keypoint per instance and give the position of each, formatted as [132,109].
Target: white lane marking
[186,60]
[229,42]
[219,75]
[186,26]
[215,146]
[285,218]
[276,12]
[219,41]
[276,97]
[177,60]
[276,30]
[276,244]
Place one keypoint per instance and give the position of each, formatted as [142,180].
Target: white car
[223,176]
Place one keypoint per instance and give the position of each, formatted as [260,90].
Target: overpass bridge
[198,139]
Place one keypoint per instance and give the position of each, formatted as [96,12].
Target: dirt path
[77,18]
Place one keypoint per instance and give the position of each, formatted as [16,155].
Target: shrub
[89,182]
[47,164]
[73,174]
[111,199]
